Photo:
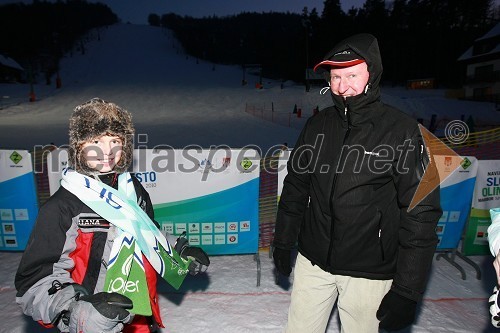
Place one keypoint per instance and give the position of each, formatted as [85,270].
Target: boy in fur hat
[92,260]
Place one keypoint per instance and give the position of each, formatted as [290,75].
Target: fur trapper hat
[93,119]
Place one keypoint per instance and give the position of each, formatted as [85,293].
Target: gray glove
[101,312]
[63,295]
[73,310]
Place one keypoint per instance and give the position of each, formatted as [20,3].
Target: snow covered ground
[178,100]
[226,299]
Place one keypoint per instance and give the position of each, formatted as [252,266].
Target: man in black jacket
[346,203]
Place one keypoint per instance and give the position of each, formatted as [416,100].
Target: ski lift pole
[32,96]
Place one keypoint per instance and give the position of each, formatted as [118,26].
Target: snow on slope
[178,100]
[173,98]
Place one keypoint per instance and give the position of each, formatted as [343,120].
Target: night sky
[137,11]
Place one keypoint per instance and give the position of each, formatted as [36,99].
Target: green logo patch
[15,157]
[246,164]
[465,163]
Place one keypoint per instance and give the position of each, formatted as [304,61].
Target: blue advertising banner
[18,201]
[486,196]
[456,197]
[211,195]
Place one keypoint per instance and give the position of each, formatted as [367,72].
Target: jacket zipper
[382,252]
[346,135]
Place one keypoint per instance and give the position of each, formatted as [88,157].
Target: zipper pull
[348,116]
[104,263]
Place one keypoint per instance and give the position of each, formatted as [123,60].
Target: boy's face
[103,153]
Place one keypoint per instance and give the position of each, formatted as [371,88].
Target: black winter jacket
[351,178]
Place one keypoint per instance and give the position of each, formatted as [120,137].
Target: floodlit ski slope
[178,100]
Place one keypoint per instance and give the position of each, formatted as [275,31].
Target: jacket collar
[360,108]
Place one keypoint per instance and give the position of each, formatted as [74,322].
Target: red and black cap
[345,58]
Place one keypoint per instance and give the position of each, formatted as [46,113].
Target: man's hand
[282,261]
[200,260]
[396,312]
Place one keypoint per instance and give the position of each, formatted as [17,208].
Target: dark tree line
[38,34]
[418,38]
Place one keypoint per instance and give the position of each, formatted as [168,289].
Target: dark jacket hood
[365,45]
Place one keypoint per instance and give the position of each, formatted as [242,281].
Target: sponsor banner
[57,160]
[456,196]
[18,200]
[486,196]
[282,171]
[211,194]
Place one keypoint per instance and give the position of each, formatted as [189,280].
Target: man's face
[103,153]
[349,81]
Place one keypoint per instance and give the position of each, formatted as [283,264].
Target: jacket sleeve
[294,197]
[45,261]
[417,231]
[494,231]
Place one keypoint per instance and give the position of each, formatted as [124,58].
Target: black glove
[396,312]
[101,312]
[282,261]
[200,260]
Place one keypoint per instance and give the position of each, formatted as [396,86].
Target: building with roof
[482,60]
[10,70]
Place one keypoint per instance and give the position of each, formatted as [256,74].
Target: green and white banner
[57,160]
[282,170]
[486,196]
[18,200]
[210,194]
[456,197]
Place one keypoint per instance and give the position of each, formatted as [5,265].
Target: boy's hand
[200,260]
